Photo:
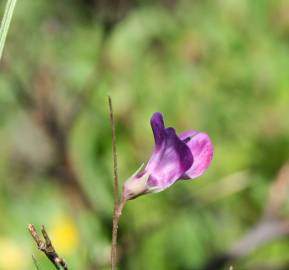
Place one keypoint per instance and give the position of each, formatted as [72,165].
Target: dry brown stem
[47,248]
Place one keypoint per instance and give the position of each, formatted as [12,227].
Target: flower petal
[202,150]
[168,163]
[158,128]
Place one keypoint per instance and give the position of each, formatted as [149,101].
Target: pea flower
[175,157]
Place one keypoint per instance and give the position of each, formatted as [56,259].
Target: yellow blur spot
[12,255]
[64,235]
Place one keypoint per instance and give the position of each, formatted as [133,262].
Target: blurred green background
[216,66]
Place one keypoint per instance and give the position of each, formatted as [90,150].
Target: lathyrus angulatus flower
[175,157]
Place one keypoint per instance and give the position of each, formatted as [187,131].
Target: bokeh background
[216,66]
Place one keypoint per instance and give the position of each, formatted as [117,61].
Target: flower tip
[157,118]
[157,114]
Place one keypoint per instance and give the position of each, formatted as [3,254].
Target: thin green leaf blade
[8,13]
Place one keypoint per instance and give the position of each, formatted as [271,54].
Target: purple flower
[175,157]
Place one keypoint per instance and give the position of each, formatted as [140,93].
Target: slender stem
[114,153]
[118,205]
[116,218]
[9,9]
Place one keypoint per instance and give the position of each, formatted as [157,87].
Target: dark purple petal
[202,150]
[158,128]
[169,162]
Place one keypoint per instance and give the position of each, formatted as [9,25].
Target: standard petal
[202,150]
[170,163]
[158,128]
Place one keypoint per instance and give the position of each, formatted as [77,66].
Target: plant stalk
[116,218]
[118,204]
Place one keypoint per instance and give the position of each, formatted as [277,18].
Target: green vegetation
[215,66]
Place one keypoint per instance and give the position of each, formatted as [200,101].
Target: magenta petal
[202,150]
[169,161]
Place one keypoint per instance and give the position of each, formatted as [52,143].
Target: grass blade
[8,13]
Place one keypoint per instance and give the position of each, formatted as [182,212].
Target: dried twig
[47,248]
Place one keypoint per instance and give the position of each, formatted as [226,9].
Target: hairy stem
[118,204]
